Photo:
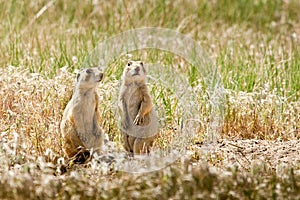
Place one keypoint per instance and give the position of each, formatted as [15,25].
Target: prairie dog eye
[89,71]
[141,63]
[129,63]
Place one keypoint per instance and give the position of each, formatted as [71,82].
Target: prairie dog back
[80,123]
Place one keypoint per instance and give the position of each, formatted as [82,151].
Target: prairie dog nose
[99,76]
[137,69]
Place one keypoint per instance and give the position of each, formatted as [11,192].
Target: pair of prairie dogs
[139,123]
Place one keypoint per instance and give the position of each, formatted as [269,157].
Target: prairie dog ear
[101,68]
[77,77]
[143,67]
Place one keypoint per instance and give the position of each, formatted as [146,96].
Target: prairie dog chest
[133,97]
[85,104]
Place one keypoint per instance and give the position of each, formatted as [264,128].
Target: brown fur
[79,125]
[139,123]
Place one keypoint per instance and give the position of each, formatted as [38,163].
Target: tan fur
[79,125]
[139,122]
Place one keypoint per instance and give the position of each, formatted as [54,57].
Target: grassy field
[254,44]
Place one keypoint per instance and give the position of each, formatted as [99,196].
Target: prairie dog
[139,121]
[79,125]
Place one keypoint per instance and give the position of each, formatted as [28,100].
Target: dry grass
[261,115]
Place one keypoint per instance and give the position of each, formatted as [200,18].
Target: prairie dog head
[89,78]
[134,72]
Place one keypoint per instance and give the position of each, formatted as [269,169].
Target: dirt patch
[245,153]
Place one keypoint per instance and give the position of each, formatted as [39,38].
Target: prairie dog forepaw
[125,125]
[138,120]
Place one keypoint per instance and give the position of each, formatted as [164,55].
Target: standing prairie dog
[79,125]
[139,121]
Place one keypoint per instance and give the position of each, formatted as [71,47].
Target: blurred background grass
[253,43]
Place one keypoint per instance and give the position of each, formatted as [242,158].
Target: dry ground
[245,153]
